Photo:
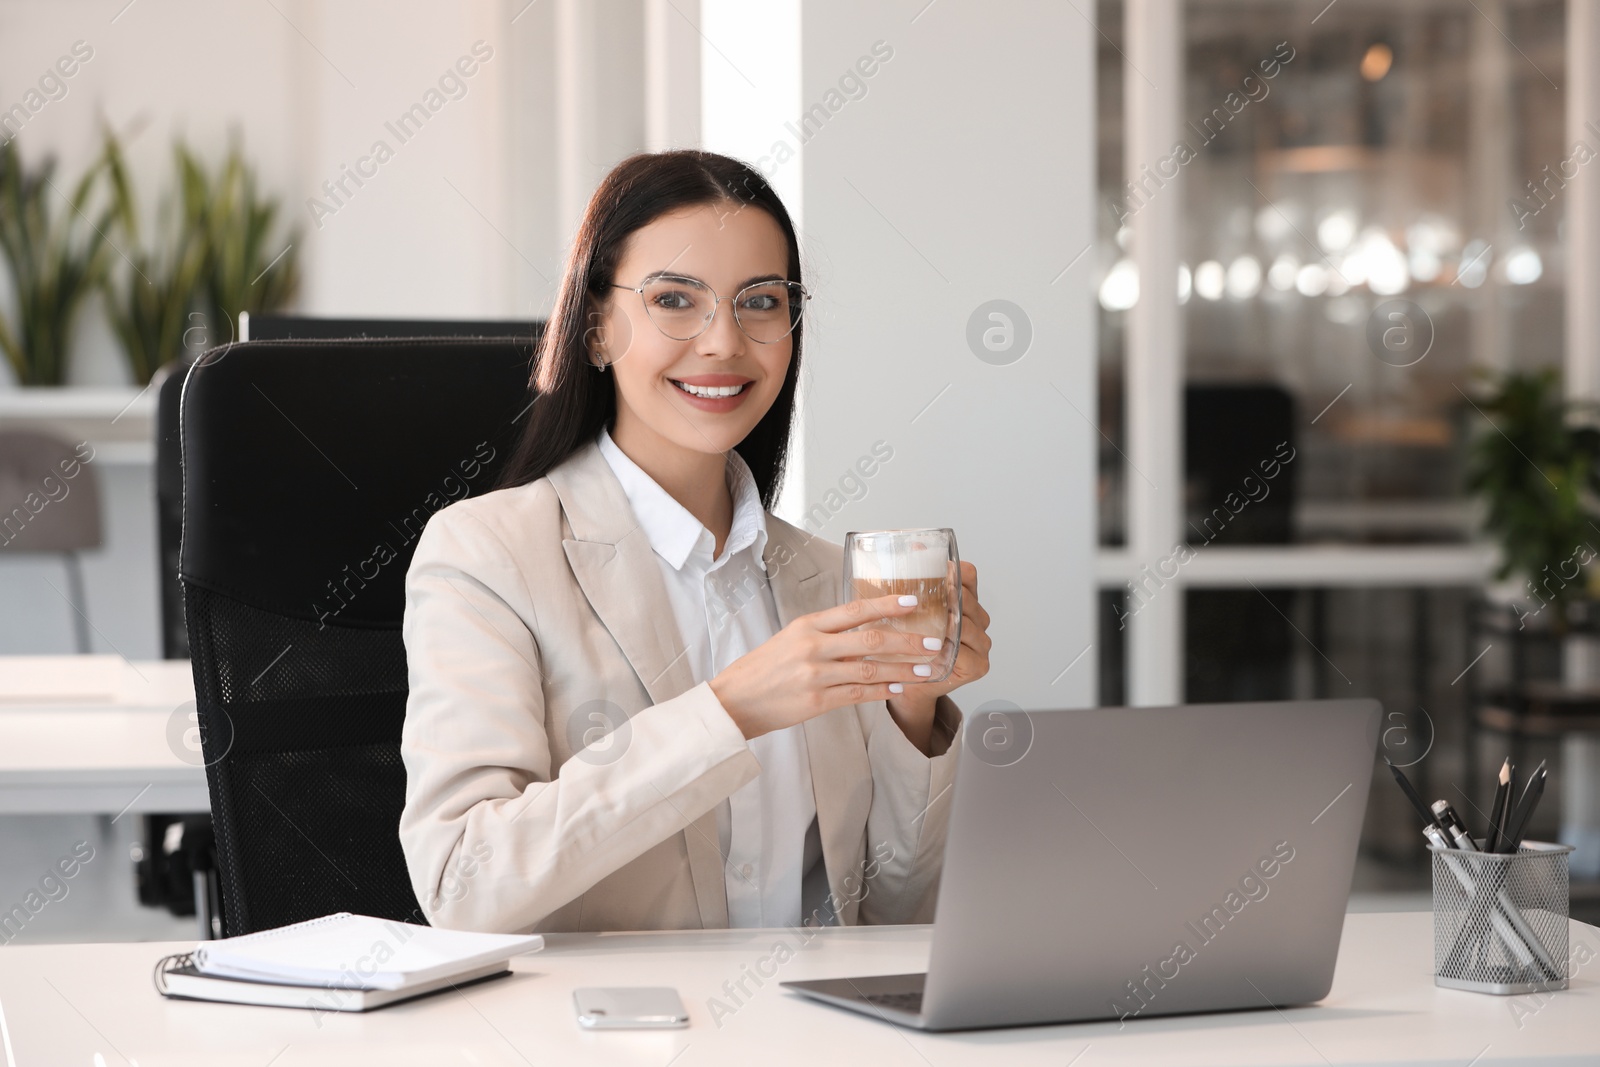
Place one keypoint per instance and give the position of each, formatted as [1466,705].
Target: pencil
[1416,801]
[1499,811]
[1530,800]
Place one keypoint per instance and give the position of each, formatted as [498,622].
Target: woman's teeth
[710,391]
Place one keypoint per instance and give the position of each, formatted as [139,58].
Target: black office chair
[1238,640]
[283,327]
[309,470]
[168,382]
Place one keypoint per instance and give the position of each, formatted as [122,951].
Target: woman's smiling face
[725,246]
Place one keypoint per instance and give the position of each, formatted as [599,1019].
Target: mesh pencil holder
[1500,919]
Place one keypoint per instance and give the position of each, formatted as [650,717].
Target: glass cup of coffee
[924,562]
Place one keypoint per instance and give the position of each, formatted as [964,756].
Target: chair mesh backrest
[307,782]
[299,456]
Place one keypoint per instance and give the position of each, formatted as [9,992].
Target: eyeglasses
[682,307]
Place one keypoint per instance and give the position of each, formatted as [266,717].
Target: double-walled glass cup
[924,562]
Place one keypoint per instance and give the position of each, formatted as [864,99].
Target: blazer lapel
[616,567]
[841,777]
[618,572]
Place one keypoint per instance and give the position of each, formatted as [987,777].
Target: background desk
[115,749]
[71,1003]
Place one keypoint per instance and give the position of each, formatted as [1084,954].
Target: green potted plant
[1537,471]
[154,290]
[56,255]
[211,255]
[249,268]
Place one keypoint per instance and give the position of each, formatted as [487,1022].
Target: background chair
[282,327]
[43,510]
[169,393]
[309,470]
[1239,640]
[169,504]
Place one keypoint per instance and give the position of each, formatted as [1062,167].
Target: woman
[634,700]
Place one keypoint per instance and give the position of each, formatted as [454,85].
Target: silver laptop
[1121,863]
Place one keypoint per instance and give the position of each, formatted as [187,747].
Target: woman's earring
[593,336]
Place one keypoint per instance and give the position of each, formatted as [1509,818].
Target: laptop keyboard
[911,1002]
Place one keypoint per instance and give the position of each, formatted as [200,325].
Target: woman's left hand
[972,657]
[914,709]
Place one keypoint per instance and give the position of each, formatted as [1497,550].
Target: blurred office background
[1224,323]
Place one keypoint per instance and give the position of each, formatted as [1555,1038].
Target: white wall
[959,175]
[927,191]
[460,222]
[423,236]
[463,220]
[963,175]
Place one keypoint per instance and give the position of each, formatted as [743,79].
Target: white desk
[69,1003]
[103,736]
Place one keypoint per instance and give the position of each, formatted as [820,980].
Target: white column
[1583,203]
[749,88]
[538,228]
[672,74]
[1580,753]
[600,95]
[948,165]
[577,110]
[1153,87]
[1489,161]
[393,125]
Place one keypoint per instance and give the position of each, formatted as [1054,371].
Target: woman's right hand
[812,666]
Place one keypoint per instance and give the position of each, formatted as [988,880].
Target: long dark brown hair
[573,400]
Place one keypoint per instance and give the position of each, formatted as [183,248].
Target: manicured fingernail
[896,687]
[933,643]
[909,600]
[922,669]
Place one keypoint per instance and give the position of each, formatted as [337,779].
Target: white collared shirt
[724,608]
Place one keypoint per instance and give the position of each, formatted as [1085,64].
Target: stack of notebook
[340,962]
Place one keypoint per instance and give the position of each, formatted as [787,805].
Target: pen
[1530,800]
[1453,825]
[1500,809]
[1463,943]
[1435,835]
[1416,801]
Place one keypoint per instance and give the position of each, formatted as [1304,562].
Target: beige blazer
[536,621]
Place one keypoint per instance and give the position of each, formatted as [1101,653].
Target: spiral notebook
[360,960]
